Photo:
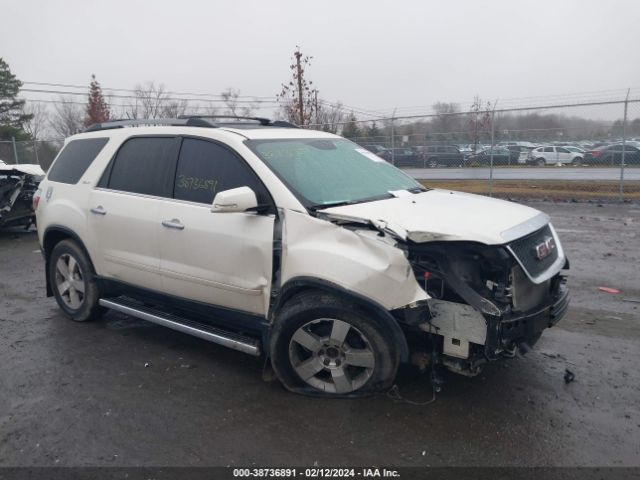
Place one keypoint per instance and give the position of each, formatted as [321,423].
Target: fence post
[35,150]
[393,156]
[15,150]
[491,154]
[624,141]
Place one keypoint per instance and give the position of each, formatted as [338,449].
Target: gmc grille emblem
[544,249]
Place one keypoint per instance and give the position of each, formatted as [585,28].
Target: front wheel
[73,281]
[577,162]
[322,345]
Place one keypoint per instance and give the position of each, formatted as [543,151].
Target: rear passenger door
[223,259]
[564,155]
[124,215]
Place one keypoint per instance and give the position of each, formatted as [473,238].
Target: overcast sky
[370,54]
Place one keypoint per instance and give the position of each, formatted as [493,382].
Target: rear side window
[145,165]
[206,168]
[548,149]
[75,158]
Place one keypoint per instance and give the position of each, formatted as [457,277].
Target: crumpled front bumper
[517,328]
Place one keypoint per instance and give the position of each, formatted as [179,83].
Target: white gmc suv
[294,244]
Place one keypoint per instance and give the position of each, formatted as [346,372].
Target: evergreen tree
[351,129]
[97,109]
[12,116]
[373,131]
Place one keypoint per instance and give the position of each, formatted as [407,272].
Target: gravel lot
[122,392]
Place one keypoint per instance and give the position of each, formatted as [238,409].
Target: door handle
[99,210]
[175,223]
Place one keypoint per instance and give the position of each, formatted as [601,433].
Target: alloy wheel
[331,355]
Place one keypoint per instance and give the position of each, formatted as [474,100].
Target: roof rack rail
[265,122]
[174,122]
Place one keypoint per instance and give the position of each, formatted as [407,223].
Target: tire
[73,282]
[324,346]
[433,163]
[541,162]
[577,162]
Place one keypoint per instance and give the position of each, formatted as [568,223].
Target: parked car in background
[501,156]
[573,148]
[551,155]
[612,155]
[519,153]
[377,149]
[442,156]
[402,157]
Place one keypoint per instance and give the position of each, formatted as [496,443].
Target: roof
[258,133]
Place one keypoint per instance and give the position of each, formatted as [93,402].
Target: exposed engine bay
[18,183]
[486,301]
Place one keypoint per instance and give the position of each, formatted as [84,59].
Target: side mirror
[238,199]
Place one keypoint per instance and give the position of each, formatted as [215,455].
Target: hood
[437,215]
[28,168]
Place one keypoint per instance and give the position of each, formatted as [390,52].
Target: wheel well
[53,236]
[296,286]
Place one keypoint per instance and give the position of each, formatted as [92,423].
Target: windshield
[324,172]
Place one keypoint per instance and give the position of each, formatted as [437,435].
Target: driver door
[222,259]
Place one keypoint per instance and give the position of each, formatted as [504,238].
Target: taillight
[596,153]
[36,200]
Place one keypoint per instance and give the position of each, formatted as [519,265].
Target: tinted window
[75,158]
[548,149]
[562,150]
[206,168]
[145,165]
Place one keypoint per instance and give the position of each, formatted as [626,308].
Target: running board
[184,325]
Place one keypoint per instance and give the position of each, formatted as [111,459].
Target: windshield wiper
[321,206]
[417,189]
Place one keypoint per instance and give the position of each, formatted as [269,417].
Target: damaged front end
[18,184]
[486,301]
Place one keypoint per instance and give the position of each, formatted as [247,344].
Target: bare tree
[446,120]
[329,117]
[39,124]
[67,118]
[479,121]
[153,101]
[297,98]
[236,106]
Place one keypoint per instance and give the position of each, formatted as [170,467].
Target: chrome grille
[524,250]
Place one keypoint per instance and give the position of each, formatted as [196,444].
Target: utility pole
[298,55]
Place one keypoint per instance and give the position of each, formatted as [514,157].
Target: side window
[561,150]
[206,168]
[75,158]
[145,165]
[548,149]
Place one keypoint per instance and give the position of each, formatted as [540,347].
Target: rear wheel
[577,162]
[72,279]
[433,163]
[540,162]
[322,345]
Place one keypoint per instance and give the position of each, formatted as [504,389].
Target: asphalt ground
[123,392]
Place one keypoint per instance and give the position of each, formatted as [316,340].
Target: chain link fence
[586,151]
[40,152]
